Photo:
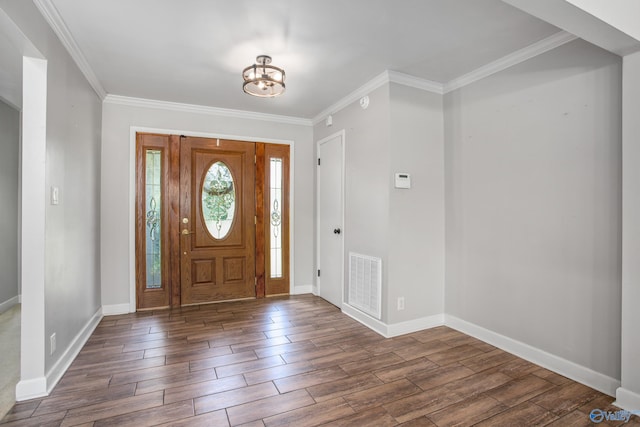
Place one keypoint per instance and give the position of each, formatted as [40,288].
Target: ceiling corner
[57,24]
[535,49]
[416,82]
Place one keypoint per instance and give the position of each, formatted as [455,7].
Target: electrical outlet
[52,340]
[400,303]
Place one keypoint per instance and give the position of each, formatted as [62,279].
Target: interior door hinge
[255,159]
[318,161]
[255,281]
[255,220]
[318,272]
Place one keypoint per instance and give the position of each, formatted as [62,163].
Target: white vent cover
[365,284]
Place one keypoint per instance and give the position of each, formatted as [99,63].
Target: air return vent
[365,284]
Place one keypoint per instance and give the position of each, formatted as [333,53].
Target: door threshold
[217,302]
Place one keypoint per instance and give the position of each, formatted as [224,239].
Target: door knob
[336,231]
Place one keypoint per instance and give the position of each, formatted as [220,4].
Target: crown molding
[416,82]
[52,16]
[201,109]
[538,48]
[371,85]
[386,76]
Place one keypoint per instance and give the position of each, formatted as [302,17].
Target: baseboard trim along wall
[57,371]
[401,328]
[395,329]
[115,309]
[302,289]
[39,387]
[627,399]
[581,374]
[4,306]
[31,389]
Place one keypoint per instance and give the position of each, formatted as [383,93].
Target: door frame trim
[133,130]
[342,134]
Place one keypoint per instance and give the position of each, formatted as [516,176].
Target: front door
[217,220]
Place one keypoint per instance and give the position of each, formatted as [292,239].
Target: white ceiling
[193,51]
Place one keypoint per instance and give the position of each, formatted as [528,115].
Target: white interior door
[330,219]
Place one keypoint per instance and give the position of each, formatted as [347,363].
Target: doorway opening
[212,220]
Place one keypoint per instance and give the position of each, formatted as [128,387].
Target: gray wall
[533,178]
[9,169]
[72,253]
[416,216]
[631,226]
[400,131]
[116,184]
[366,183]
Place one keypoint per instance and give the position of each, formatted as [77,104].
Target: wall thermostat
[403,180]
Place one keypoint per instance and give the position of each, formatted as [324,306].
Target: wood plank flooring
[298,361]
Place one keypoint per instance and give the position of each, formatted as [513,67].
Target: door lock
[336,231]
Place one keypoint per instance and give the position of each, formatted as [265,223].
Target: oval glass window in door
[218,200]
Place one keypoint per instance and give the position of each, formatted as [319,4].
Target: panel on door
[217,220]
[330,215]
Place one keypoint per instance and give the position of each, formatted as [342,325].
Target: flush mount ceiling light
[262,79]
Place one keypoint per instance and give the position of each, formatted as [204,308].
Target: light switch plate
[55,195]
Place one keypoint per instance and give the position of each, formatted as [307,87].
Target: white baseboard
[302,289]
[579,373]
[115,309]
[402,328]
[366,320]
[395,329]
[39,387]
[628,400]
[4,306]
[61,366]
[31,389]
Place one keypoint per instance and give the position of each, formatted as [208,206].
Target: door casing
[133,131]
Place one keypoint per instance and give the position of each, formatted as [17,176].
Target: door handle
[336,231]
[185,232]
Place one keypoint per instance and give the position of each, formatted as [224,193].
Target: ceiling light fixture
[262,79]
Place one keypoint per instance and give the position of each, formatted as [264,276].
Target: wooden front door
[217,220]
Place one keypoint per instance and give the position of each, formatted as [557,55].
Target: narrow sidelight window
[275,217]
[153,201]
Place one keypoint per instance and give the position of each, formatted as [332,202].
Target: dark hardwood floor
[298,361]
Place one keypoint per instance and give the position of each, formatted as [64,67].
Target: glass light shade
[262,79]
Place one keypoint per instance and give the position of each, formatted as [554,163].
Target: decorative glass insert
[153,186]
[275,200]
[218,200]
